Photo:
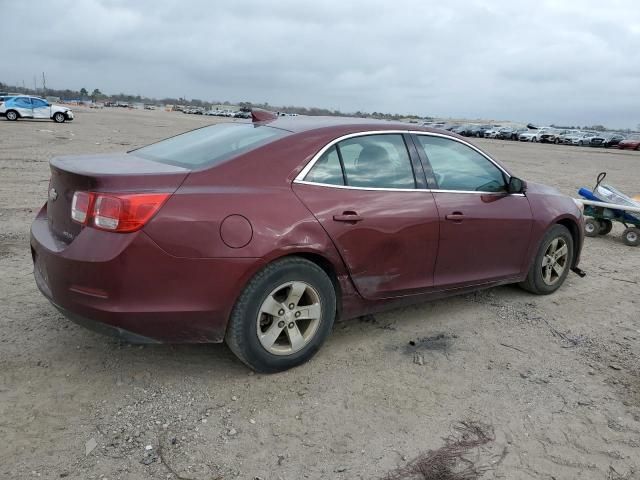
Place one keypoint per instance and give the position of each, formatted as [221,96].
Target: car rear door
[370,196]
[23,106]
[484,231]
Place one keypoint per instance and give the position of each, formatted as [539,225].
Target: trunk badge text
[53,194]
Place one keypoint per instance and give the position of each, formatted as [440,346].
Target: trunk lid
[116,173]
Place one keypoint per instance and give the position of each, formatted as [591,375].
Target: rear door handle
[455,217]
[349,217]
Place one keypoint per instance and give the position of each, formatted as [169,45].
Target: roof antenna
[259,115]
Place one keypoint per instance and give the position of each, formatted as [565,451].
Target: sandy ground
[558,377]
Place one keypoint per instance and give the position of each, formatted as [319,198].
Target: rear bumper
[126,285]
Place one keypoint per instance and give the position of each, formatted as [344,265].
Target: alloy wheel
[555,261]
[289,318]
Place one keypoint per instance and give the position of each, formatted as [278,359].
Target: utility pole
[44,85]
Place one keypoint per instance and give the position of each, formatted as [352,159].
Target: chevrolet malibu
[263,234]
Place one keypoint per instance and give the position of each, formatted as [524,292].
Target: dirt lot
[558,378]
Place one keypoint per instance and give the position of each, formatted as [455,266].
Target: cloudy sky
[571,62]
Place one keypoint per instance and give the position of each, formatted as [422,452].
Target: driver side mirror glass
[516,185]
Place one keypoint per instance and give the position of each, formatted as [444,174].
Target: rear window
[211,145]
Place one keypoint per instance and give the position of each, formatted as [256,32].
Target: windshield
[211,145]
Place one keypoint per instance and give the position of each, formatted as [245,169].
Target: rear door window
[327,169]
[22,102]
[377,161]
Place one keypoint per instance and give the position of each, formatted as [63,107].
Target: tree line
[96,95]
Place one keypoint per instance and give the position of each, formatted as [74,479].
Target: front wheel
[12,115]
[551,265]
[283,316]
[534,139]
[631,236]
[59,117]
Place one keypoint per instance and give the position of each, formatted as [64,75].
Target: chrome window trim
[428,190]
[349,187]
[303,173]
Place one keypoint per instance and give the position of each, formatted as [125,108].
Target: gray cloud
[543,61]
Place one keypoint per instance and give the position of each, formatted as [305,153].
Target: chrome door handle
[349,217]
[455,217]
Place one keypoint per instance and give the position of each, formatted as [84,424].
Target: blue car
[24,106]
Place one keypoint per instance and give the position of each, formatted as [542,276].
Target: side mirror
[516,185]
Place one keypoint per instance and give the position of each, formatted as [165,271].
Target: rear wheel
[605,227]
[12,115]
[59,117]
[631,236]
[591,227]
[551,265]
[283,316]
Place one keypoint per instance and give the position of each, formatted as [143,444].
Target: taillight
[116,212]
[80,206]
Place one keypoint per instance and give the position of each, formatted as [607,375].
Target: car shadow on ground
[174,361]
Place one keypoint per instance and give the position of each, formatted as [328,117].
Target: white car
[492,132]
[528,136]
[24,106]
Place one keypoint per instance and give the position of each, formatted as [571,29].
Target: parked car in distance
[595,140]
[528,136]
[467,130]
[631,143]
[492,132]
[612,140]
[546,135]
[263,234]
[458,129]
[505,133]
[478,130]
[24,106]
[581,139]
[515,134]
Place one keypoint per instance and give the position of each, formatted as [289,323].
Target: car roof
[348,125]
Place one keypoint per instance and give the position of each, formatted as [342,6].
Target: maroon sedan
[631,143]
[263,234]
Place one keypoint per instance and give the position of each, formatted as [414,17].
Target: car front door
[41,109]
[381,218]
[484,231]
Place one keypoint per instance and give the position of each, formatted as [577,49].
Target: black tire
[592,227]
[605,227]
[534,282]
[12,115]
[534,139]
[631,236]
[59,117]
[242,331]
[580,143]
